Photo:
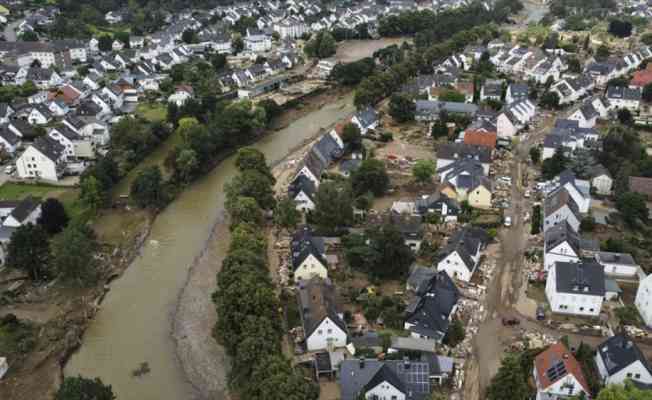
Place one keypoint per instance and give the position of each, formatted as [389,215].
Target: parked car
[507,321]
[508,221]
[527,194]
[541,313]
[9,169]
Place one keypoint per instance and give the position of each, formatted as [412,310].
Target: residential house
[561,244]
[586,115]
[181,95]
[410,228]
[643,300]
[391,379]
[619,359]
[43,159]
[257,41]
[6,111]
[514,118]
[492,90]
[75,145]
[576,288]
[27,211]
[461,255]
[572,89]
[558,375]
[517,92]
[366,120]
[601,180]
[428,316]
[428,111]
[567,136]
[302,191]
[323,325]
[9,141]
[558,207]
[308,255]
[578,189]
[448,209]
[623,97]
[620,265]
[449,153]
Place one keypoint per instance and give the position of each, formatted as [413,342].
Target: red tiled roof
[481,138]
[555,353]
[641,78]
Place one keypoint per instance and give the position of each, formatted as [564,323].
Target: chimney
[406,363]
[361,362]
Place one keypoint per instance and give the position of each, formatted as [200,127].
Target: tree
[245,210]
[621,29]
[587,224]
[646,38]
[647,93]
[272,109]
[28,251]
[332,206]
[632,206]
[351,136]
[423,171]
[535,154]
[29,36]
[286,214]
[80,388]
[549,100]
[439,129]
[623,392]
[186,164]
[554,165]
[251,183]
[574,65]
[250,159]
[510,382]
[53,216]
[218,61]
[189,36]
[381,253]
[625,116]
[602,53]
[322,45]
[536,220]
[371,176]
[105,43]
[73,254]
[147,188]
[237,44]
[401,108]
[455,333]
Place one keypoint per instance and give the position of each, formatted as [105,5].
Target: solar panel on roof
[557,371]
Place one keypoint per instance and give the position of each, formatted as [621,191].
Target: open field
[153,112]
[354,50]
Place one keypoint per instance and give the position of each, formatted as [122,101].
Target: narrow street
[503,292]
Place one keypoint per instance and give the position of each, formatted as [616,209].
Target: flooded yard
[354,50]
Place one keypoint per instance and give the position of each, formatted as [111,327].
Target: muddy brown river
[135,322]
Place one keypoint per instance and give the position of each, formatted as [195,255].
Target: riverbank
[202,359]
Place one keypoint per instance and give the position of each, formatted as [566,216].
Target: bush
[628,315]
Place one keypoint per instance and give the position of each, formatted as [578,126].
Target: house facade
[576,288]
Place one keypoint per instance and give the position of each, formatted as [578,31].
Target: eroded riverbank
[169,287]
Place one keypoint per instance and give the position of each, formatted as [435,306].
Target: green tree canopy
[53,216]
[286,214]
[251,183]
[73,254]
[28,251]
[423,171]
[79,388]
[371,176]
[147,189]
[332,206]
[401,108]
[251,159]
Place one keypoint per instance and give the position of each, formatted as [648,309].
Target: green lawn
[67,196]
[153,112]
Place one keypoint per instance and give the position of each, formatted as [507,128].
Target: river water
[135,322]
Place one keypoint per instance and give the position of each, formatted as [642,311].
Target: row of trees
[249,324]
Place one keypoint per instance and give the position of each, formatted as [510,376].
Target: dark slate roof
[385,374]
[410,227]
[303,250]
[327,149]
[420,276]
[367,340]
[465,242]
[356,375]
[350,165]
[519,90]
[367,117]
[429,313]
[9,136]
[302,184]
[619,351]
[615,258]
[454,151]
[49,147]
[580,278]
[624,92]
[314,163]
[426,204]
[557,199]
[561,233]
[25,208]
[316,302]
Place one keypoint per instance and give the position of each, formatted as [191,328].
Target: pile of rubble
[532,340]
[282,246]
[633,331]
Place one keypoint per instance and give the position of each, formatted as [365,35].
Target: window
[329,331]
[637,376]
[629,374]
[320,332]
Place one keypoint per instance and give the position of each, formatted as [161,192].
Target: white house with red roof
[558,375]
